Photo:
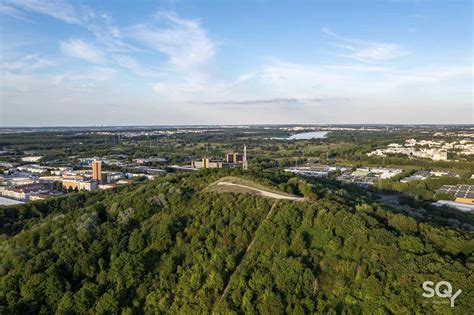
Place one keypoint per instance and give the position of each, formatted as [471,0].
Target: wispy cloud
[358,67]
[58,9]
[366,51]
[27,63]
[261,101]
[11,11]
[100,24]
[184,41]
[429,75]
[78,48]
[131,64]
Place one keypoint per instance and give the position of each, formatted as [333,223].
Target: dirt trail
[264,193]
[269,214]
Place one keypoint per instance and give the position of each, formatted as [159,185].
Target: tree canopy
[167,246]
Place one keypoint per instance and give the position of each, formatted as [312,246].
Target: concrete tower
[244,160]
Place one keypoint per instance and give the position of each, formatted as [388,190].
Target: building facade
[97,170]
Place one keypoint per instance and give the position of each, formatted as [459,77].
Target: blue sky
[73,63]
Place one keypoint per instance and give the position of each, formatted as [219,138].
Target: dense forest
[169,246]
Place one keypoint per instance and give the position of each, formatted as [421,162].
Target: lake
[308,135]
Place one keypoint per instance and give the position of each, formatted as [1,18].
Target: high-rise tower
[244,160]
[96,170]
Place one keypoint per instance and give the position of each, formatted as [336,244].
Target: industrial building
[231,160]
[234,158]
[208,163]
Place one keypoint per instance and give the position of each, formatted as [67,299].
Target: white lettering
[445,293]
[426,287]
[455,296]
[443,289]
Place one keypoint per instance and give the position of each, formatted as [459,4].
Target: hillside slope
[168,246]
[234,184]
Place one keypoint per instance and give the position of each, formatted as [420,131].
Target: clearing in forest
[240,185]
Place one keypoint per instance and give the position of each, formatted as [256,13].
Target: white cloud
[288,79]
[196,86]
[80,49]
[100,24]
[366,87]
[429,75]
[58,9]
[378,53]
[358,67]
[131,64]
[11,11]
[184,41]
[265,101]
[365,51]
[27,63]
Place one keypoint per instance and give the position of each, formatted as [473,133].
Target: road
[264,193]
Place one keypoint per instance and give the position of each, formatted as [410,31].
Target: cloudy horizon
[86,63]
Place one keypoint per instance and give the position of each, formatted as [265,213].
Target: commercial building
[33,168]
[20,180]
[23,192]
[462,193]
[44,196]
[96,170]
[179,168]
[31,159]
[311,171]
[369,176]
[422,175]
[112,177]
[80,185]
[149,160]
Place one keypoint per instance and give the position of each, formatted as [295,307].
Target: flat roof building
[462,193]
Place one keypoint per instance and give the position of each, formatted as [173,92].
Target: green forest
[170,246]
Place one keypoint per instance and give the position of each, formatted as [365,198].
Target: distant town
[37,174]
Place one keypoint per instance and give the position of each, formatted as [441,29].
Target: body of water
[308,135]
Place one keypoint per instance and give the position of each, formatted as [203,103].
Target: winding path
[264,193]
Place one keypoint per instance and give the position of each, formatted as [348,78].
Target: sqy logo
[443,289]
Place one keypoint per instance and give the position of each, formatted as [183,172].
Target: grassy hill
[174,245]
[233,184]
[241,181]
